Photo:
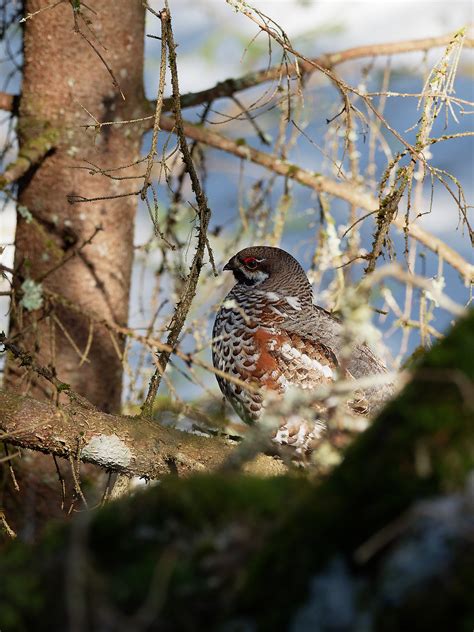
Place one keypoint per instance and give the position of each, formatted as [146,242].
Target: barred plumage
[268,330]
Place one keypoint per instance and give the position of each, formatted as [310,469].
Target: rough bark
[62,73]
[241,553]
[128,445]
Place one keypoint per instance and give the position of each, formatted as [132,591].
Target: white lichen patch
[107,450]
[32,295]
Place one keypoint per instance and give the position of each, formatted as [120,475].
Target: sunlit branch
[357,196]
[130,446]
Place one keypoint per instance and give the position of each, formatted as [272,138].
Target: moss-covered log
[382,544]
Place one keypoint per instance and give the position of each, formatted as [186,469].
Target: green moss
[23,593]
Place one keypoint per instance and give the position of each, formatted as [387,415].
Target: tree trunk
[62,77]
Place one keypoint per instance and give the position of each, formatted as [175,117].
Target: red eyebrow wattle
[249,259]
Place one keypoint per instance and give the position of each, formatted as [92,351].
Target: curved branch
[345,191]
[359,197]
[130,446]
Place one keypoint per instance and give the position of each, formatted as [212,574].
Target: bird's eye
[250,263]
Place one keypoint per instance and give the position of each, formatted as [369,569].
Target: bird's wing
[298,361]
[320,325]
[317,326]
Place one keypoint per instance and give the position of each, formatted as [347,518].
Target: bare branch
[73,252]
[76,11]
[159,105]
[28,16]
[148,341]
[396,271]
[358,196]
[204,213]
[386,214]
[48,373]
[229,87]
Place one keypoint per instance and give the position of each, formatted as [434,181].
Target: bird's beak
[229,265]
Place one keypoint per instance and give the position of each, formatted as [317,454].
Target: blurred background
[250,205]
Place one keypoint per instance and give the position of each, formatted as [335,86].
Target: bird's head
[273,267]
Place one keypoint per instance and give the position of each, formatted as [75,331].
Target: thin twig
[159,105]
[8,458]
[5,527]
[75,476]
[77,30]
[28,16]
[396,271]
[189,290]
[73,253]
[385,216]
[62,482]
[47,373]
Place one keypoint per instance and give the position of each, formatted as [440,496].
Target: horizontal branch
[439,247]
[346,191]
[357,197]
[395,271]
[128,445]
